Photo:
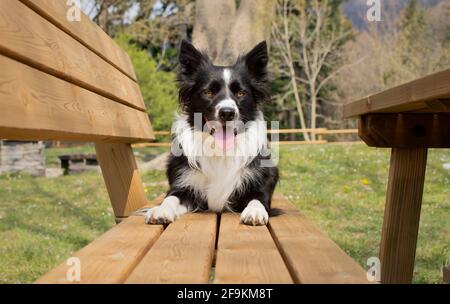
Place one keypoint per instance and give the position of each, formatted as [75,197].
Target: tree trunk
[313,109]
[224,33]
[103,17]
[291,115]
[213,20]
[252,25]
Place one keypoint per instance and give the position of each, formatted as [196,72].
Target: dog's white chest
[216,181]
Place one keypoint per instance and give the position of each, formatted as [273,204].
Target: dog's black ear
[190,58]
[257,59]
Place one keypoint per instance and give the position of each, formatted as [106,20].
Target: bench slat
[31,110]
[111,257]
[247,254]
[430,94]
[183,253]
[310,255]
[85,31]
[28,37]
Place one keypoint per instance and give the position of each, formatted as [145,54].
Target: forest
[323,54]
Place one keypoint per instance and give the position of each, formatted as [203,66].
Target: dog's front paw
[160,215]
[167,212]
[255,214]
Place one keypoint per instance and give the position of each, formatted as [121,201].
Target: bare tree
[282,36]
[213,21]
[225,31]
[251,25]
[107,13]
[309,35]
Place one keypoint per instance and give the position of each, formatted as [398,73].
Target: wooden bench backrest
[63,80]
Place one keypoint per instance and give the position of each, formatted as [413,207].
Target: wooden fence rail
[320,132]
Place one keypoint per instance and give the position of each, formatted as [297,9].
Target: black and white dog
[220,112]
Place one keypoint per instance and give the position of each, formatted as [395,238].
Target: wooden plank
[310,255]
[29,38]
[294,143]
[345,131]
[85,31]
[183,254]
[153,144]
[402,214]
[289,131]
[111,257]
[247,255]
[35,105]
[122,178]
[405,130]
[429,94]
[162,133]
[293,131]
[281,143]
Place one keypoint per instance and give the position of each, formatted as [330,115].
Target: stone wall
[26,157]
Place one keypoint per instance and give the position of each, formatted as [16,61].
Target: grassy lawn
[342,188]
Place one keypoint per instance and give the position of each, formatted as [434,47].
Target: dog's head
[227,97]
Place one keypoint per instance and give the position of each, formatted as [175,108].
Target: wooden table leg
[122,178]
[402,214]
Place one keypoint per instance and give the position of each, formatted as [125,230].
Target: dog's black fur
[202,87]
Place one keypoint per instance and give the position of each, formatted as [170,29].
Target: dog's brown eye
[208,93]
[240,93]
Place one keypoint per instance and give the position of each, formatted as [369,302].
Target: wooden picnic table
[409,118]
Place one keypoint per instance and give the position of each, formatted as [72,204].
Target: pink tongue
[225,141]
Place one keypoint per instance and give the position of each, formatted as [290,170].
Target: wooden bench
[409,119]
[75,163]
[64,80]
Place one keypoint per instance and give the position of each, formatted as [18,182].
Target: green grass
[341,188]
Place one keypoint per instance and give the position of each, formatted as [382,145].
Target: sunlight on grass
[341,188]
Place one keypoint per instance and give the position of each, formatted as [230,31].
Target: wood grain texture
[310,255]
[405,130]
[122,178]
[28,37]
[85,31]
[183,254]
[430,94]
[35,105]
[111,257]
[247,255]
[402,214]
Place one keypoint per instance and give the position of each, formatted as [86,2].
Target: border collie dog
[221,162]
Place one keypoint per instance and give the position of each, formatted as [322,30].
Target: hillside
[356,10]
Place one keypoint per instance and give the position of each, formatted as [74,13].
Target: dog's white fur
[255,214]
[167,212]
[215,177]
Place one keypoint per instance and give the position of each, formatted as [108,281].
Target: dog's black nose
[226,114]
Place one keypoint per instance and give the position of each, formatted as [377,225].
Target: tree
[309,36]
[225,31]
[158,87]
[159,26]
[413,29]
[109,14]
[412,47]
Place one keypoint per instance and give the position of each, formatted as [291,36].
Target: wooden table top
[430,94]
